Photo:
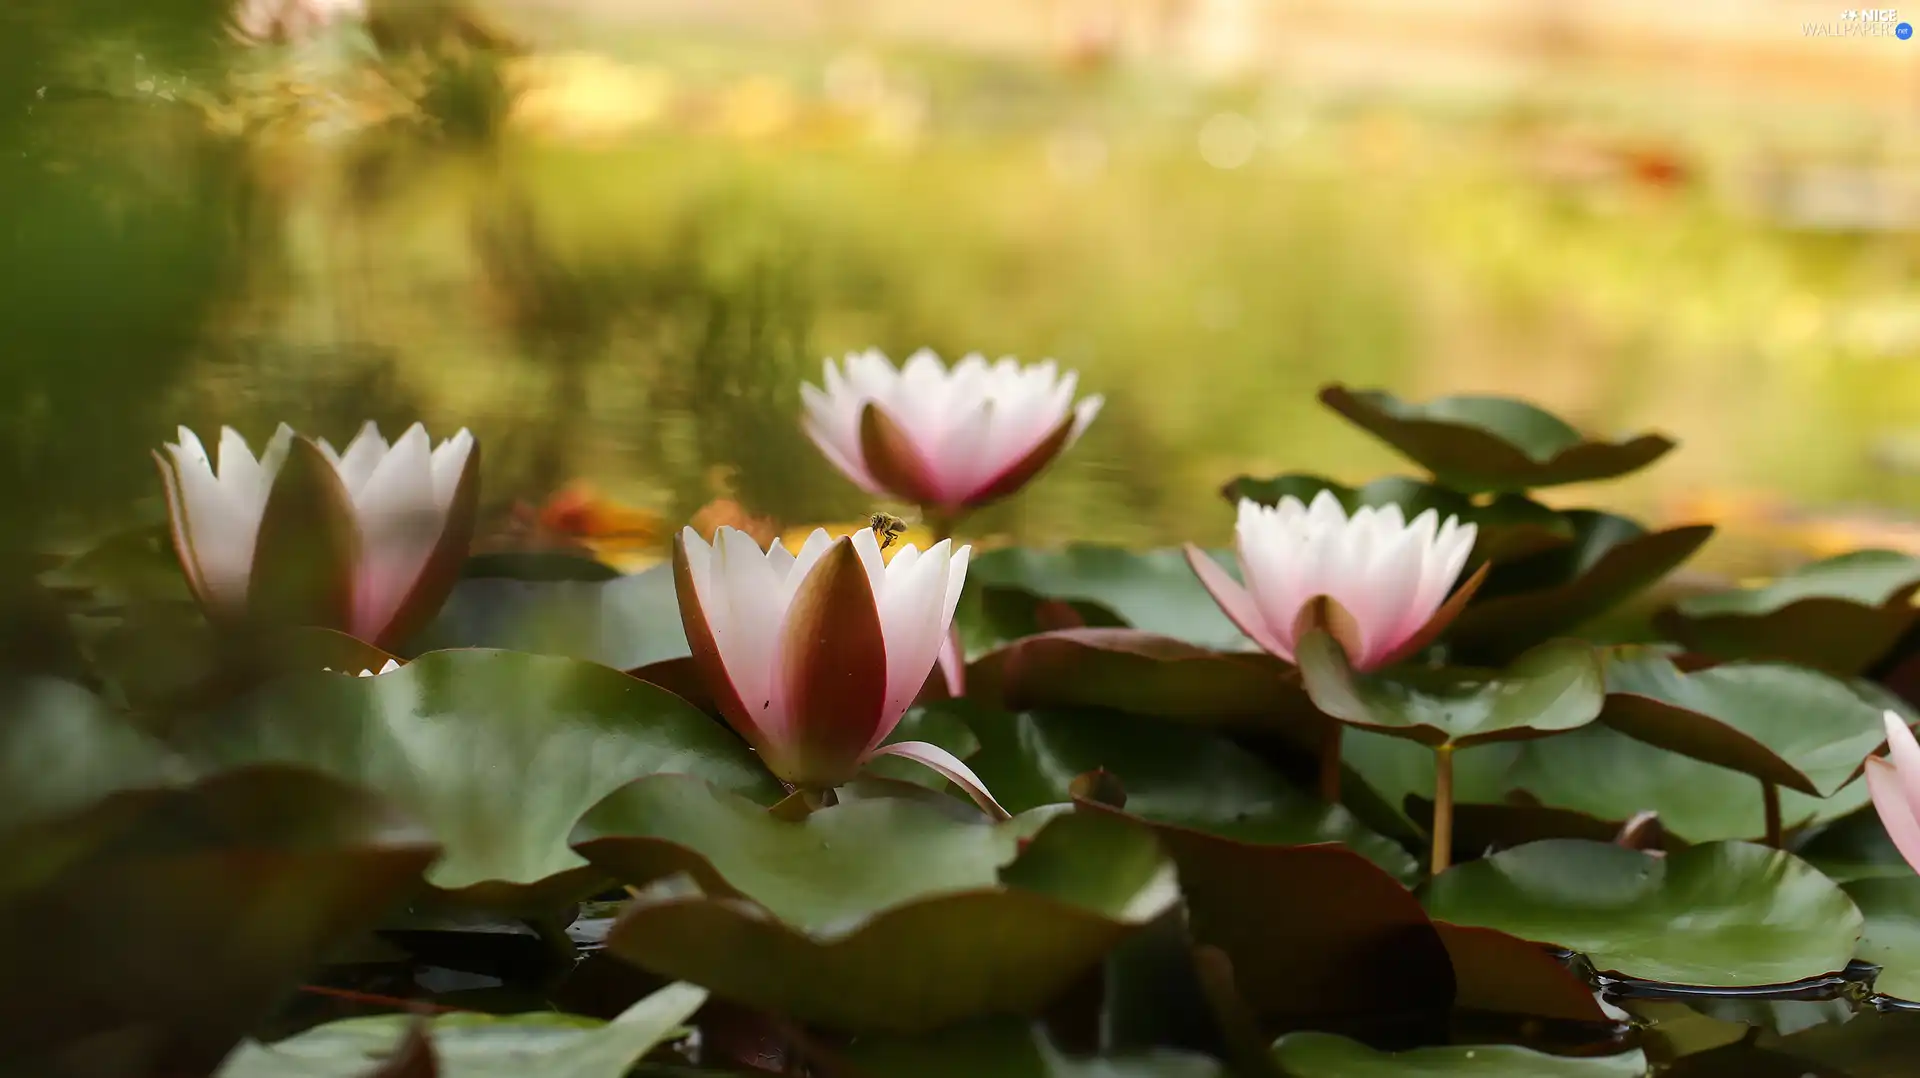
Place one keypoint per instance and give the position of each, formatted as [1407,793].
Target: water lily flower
[369,540]
[391,665]
[1894,782]
[1386,578]
[814,656]
[946,440]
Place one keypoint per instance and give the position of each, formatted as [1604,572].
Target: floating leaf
[1511,526]
[1011,1050]
[1610,559]
[1554,687]
[915,918]
[499,752]
[61,749]
[1502,974]
[1143,674]
[1855,848]
[1491,444]
[1155,591]
[1786,725]
[480,1045]
[623,622]
[1313,933]
[179,918]
[1840,614]
[1171,774]
[1324,1055]
[1752,915]
[1891,939]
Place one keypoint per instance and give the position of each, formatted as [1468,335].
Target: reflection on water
[616,265]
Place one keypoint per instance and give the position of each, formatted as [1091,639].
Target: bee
[887,527]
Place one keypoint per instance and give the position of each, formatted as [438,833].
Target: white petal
[400,524]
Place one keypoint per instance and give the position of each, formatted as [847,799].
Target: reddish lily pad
[1169,774]
[916,919]
[624,622]
[1509,527]
[1324,1055]
[1556,686]
[1841,614]
[167,922]
[1154,591]
[1610,560]
[459,1045]
[1503,974]
[1491,444]
[499,752]
[1752,915]
[1142,674]
[1786,725]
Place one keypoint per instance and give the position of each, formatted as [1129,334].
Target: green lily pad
[1840,614]
[1604,773]
[61,750]
[1313,933]
[1891,940]
[1787,725]
[915,918]
[1143,674]
[173,920]
[1324,1055]
[1491,444]
[1523,602]
[480,1045]
[623,622]
[1751,915]
[499,752]
[1010,1050]
[1855,848]
[1171,774]
[1155,591]
[1509,527]
[1554,687]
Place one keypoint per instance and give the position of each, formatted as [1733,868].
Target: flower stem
[1770,801]
[1442,809]
[939,524]
[1330,762]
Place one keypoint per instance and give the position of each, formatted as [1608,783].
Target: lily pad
[1314,933]
[1751,915]
[243,881]
[1324,1055]
[61,750]
[1554,687]
[1840,614]
[1143,674]
[1787,725]
[1522,602]
[1010,1050]
[1855,848]
[1497,973]
[500,753]
[1171,774]
[1606,774]
[915,918]
[1155,591]
[480,1045]
[1509,527]
[1478,444]
[623,622]
[1891,939]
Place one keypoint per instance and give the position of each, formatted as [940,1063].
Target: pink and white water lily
[1386,578]
[947,440]
[368,541]
[813,657]
[1894,782]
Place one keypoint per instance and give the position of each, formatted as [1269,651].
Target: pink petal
[1234,602]
[946,763]
[953,666]
[1885,784]
[699,600]
[1905,754]
[831,672]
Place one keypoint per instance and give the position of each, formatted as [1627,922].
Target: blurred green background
[613,237]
